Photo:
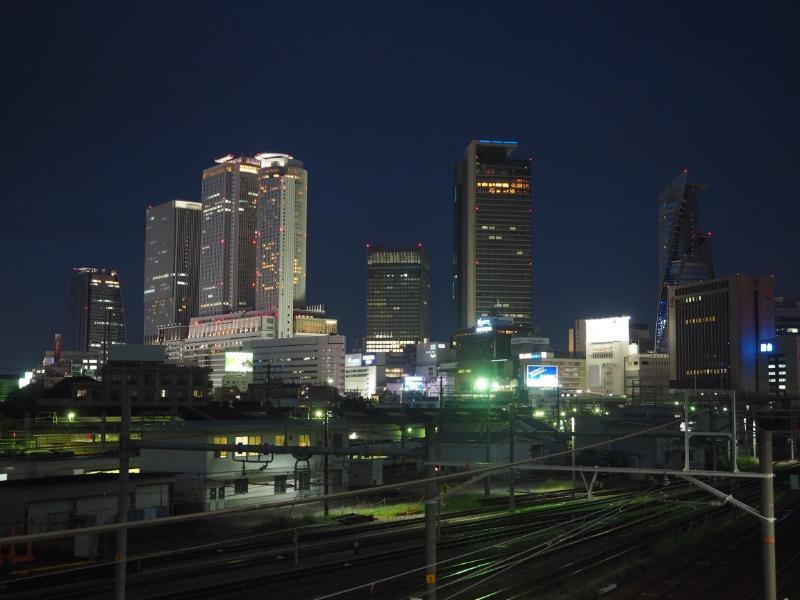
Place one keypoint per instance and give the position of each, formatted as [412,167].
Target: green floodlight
[70,416]
[318,414]
[482,384]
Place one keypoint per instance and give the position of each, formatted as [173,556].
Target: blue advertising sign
[541,376]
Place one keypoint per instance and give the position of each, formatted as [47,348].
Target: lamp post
[482,385]
[324,416]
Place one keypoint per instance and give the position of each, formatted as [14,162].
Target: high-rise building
[715,331]
[171,263]
[787,316]
[96,317]
[684,253]
[398,297]
[281,238]
[492,254]
[228,236]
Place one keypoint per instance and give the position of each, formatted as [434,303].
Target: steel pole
[431,506]
[686,466]
[768,513]
[735,443]
[487,487]
[123,500]
[325,506]
[511,453]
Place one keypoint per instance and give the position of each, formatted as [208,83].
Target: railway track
[462,527]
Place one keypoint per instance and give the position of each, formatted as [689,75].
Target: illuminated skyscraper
[684,254]
[228,236]
[96,317]
[281,238]
[492,255]
[398,298]
[171,266]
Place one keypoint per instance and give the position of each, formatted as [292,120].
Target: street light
[320,414]
[482,384]
[70,416]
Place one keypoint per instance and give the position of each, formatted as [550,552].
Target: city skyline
[598,166]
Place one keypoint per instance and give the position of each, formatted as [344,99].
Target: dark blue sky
[109,107]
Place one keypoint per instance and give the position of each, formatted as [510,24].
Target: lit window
[304,440]
[220,439]
[240,439]
[254,440]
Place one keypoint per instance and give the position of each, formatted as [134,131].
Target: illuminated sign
[224,159]
[25,379]
[238,362]
[530,340]
[612,329]
[367,360]
[483,325]
[352,360]
[532,355]
[541,376]
[766,346]
[413,383]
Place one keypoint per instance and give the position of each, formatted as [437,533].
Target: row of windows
[303,440]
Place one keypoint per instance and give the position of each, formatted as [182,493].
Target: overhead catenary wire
[529,553]
[312,499]
[454,558]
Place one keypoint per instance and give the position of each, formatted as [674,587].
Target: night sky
[110,107]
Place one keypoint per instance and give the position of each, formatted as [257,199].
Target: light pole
[324,416]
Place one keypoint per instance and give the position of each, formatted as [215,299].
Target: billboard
[541,376]
[367,360]
[611,329]
[413,383]
[352,360]
[238,362]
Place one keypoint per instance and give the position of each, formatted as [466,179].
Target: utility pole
[487,488]
[325,506]
[686,466]
[431,506]
[123,501]
[768,516]
[512,422]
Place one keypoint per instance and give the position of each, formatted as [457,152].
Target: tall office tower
[96,317]
[787,316]
[228,236]
[492,260]
[684,254]
[716,329]
[398,298]
[281,238]
[171,266]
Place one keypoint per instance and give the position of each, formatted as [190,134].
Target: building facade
[779,366]
[312,360]
[211,338]
[281,238]
[647,377]
[398,298]
[228,236]
[606,343]
[171,266]
[97,316]
[492,254]
[787,316]
[684,253]
[715,331]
